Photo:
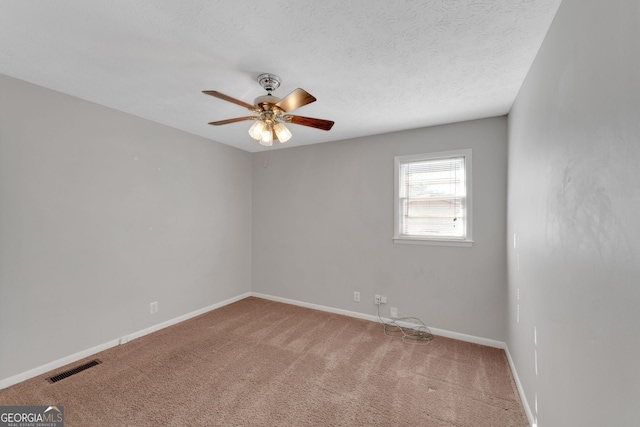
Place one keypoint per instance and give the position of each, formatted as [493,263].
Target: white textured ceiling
[375,66]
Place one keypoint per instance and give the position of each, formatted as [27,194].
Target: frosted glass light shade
[255,131]
[282,132]
[267,137]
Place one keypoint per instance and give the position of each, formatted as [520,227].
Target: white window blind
[432,196]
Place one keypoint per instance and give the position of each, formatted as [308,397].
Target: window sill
[433,242]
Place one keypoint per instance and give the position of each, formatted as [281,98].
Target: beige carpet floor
[264,363]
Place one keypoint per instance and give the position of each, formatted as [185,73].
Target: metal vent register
[73,371]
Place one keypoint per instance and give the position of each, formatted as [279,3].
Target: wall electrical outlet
[356,296]
[153,307]
[393,312]
[377,300]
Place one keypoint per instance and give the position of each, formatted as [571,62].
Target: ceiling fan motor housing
[266,102]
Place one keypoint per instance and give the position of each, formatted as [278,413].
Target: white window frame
[467,240]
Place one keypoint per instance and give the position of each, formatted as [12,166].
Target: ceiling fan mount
[269,123]
[269,82]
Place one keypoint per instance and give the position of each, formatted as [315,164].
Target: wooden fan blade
[308,121]
[295,99]
[237,119]
[228,98]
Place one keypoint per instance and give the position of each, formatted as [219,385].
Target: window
[433,198]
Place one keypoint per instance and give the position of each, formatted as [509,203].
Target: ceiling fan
[272,112]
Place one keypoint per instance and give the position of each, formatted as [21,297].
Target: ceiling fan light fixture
[270,121]
[267,137]
[282,132]
[255,131]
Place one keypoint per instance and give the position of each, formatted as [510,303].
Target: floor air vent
[73,371]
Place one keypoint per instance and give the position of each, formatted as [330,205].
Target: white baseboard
[373,318]
[4,383]
[468,338]
[316,306]
[184,317]
[523,398]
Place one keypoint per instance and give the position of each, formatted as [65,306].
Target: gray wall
[323,228]
[574,199]
[102,213]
